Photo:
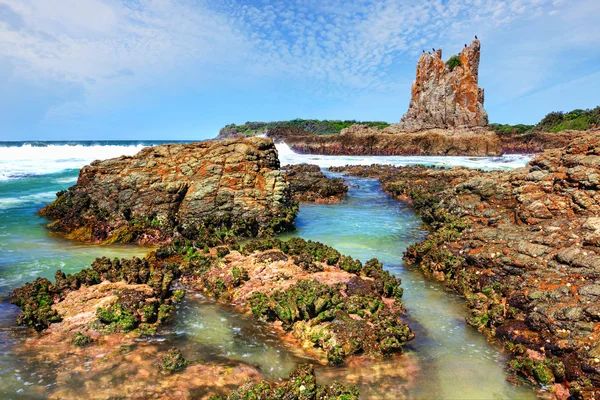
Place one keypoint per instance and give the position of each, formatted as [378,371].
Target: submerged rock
[301,385]
[522,247]
[186,188]
[328,306]
[171,362]
[333,303]
[309,184]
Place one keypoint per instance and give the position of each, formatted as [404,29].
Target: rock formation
[523,247]
[188,188]
[446,95]
[309,184]
[335,303]
[392,141]
[330,307]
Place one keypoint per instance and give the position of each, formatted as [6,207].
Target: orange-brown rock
[182,188]
[444,96]
[523,247]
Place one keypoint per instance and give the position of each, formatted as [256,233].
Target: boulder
[177,188]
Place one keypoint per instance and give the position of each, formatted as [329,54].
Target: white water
[287,156]
[26,160]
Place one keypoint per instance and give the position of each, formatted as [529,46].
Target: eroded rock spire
[446,94]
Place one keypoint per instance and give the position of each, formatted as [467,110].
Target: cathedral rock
[446,95]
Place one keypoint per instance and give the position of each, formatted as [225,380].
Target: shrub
[453,62]
[576,120]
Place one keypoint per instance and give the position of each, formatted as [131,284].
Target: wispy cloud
[337,48]
[98,43]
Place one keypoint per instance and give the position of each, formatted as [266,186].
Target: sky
[182,69]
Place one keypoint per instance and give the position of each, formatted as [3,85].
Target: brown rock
[522,247]
[445,97]
[178,187]
[309,184]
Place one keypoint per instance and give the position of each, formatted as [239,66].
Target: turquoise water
[455,361]
[447,359]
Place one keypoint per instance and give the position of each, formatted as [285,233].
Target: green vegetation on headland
[557,121]
[324,127]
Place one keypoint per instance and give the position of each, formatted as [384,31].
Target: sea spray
[507,162]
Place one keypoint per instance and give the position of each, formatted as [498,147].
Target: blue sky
[181,69]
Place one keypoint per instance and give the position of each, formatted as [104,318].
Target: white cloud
[337,47]
[91,42]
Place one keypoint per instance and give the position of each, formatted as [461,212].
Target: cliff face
[187,188]
[443,97]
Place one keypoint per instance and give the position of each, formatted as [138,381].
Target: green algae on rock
[301,385]
[171,362]
[143,300]
[523,248]
[231,185]
[332,303]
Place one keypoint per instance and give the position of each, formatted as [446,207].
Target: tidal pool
[454,360]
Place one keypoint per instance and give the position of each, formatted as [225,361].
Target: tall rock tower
[446,96]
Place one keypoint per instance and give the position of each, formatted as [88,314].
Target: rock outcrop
[393,141]
[446,95]
[178,188]
[309,184]
[328,306]
[523,247]
[537,142]
[334,304]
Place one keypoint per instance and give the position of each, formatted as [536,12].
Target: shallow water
[447,359]
[208,331]
[455,361]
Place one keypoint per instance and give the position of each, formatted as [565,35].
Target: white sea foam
[26,160]
[287,156]
[37,198]
[71,179]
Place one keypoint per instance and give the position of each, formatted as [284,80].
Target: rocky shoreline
[328,306]
[393,141]
[522,248]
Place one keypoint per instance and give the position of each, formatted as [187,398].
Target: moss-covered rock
[81,339]
[172,362]
[301,385]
